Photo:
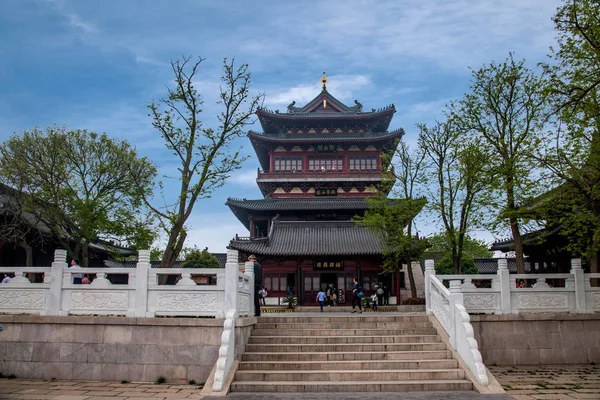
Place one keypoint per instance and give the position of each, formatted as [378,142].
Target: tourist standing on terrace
[76,277]
[356,298]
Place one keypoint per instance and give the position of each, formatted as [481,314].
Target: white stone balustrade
[504,297]
[140,296]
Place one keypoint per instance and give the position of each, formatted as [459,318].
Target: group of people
[327,297]
[381,296]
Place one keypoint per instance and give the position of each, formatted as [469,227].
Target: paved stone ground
[563,382]
[555,382]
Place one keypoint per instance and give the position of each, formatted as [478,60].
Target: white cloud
[76,21]
[343,86]
[214,231]
[244,178]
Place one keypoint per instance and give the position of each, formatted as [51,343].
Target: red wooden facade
[324,150]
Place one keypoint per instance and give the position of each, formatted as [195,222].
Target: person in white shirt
[77,278]
[6,279]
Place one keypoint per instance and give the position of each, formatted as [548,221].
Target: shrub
[413,301]
[200,259]
[160,380]
[291,301]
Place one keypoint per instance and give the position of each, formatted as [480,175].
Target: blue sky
[97,65]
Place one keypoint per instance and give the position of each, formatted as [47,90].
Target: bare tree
[205,155]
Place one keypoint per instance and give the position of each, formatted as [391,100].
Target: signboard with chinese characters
[325,148]
[325,192]
[328,265]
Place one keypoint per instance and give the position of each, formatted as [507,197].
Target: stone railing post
[142,269]
[579,283]
[456,297]
[231,283]
[54,303]
[429,270]
[504,278]
[250,272]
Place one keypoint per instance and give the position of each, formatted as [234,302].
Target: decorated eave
[375,120]
[243,208]
[386,141]
[324,110]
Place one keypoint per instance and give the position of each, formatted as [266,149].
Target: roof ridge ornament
[324,82]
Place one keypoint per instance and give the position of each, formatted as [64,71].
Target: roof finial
[324,81]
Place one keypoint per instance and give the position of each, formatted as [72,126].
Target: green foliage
[200,259]
[205,154]
[574,86]
[290,300]
[473,248]
[506,113]
[446,266]
[460,191]
[78,183]
[388,220]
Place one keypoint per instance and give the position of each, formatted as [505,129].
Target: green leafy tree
[459,190]
[205,154]
[446,266]
[574,85]
[200,259]
[388,219]
[506,112]
[77,184]
[473,248]
[408,174]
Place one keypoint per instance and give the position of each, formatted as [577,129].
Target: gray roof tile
[322,238]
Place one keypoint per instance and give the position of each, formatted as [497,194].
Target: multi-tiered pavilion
[318,164]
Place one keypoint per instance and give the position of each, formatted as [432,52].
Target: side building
[318,164]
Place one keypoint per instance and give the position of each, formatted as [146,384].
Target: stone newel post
[456,297]
[504,278]
[250,272]
[429,270]
[54,303]
[141,284]
[579,279]
[231,282]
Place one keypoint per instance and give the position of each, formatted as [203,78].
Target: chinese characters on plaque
[328,265]
[325,192]
[326,148]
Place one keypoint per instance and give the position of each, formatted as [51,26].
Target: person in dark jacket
[356,289]
[257,284]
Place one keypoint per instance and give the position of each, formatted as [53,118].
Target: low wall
[533,339]
[113,348]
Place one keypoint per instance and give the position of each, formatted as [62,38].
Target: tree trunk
[518,242]
[28,253]
[411,279]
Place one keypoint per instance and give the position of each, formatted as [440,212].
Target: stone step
[342,339]
[348,375]
[342,332]
[347,356]
[357,387]
[345,325]
[352,318]
[348,365]
[344,347]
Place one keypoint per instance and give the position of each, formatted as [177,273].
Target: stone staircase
[347,353]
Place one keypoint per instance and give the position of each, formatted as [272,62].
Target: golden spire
[324,81]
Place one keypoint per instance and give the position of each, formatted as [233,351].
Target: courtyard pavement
[563,382]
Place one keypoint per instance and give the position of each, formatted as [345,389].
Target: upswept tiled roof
[299,204]
[323,238]
[328,137]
